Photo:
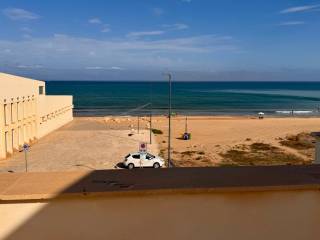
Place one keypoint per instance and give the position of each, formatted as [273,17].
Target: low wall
[256,215]
[200,204]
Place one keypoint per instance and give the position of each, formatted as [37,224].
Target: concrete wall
[293,215]
[26,115]
[14,86]
[54,112]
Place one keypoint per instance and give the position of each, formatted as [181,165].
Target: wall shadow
[179,203]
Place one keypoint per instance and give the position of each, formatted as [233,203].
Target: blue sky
[122,36]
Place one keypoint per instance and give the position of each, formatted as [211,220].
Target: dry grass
[304,143]
[256,147]
[162,153]
[259,154]
[301,141]
[157,131]
[188,158]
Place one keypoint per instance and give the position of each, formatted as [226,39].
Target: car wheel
[156,165]
[130,166]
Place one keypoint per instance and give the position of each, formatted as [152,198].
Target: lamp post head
[169,75]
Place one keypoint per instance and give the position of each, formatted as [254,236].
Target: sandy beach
[213,136]
[102,142]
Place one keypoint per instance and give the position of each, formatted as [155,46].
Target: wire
[135,109]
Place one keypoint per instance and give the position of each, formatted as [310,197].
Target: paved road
[83,144]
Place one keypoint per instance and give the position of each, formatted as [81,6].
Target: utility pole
[169,112]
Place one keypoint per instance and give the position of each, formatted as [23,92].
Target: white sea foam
[291,93]
[295,112]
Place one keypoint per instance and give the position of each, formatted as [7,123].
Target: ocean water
[192,98]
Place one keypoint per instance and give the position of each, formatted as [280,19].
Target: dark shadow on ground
[88,209]
[120,165]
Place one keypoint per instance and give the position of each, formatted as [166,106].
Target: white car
[140,159]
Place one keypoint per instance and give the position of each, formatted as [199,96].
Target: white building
[27,113]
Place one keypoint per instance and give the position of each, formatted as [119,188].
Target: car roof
[140,153]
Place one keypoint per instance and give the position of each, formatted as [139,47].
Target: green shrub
[157,131]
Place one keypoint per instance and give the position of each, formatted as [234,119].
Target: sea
[190,98]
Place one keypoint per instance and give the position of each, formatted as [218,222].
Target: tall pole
[26,160]
[186,126]
[150,126]
[169,130]
[138,124]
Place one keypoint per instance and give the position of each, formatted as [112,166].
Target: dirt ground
[83,144]
[213,136]
[101,143]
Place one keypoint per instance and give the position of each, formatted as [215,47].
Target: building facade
[27,113]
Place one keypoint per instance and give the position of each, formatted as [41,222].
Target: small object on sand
[186,136]
[261,115]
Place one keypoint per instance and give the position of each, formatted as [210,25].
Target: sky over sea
[138,40]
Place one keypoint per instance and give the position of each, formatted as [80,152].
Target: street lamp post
[169,112]
[150,125]
[150,116]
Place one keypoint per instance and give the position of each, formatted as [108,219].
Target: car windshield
[127,156]
[149,156]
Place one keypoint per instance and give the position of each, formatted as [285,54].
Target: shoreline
[96,112]
[218,116]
